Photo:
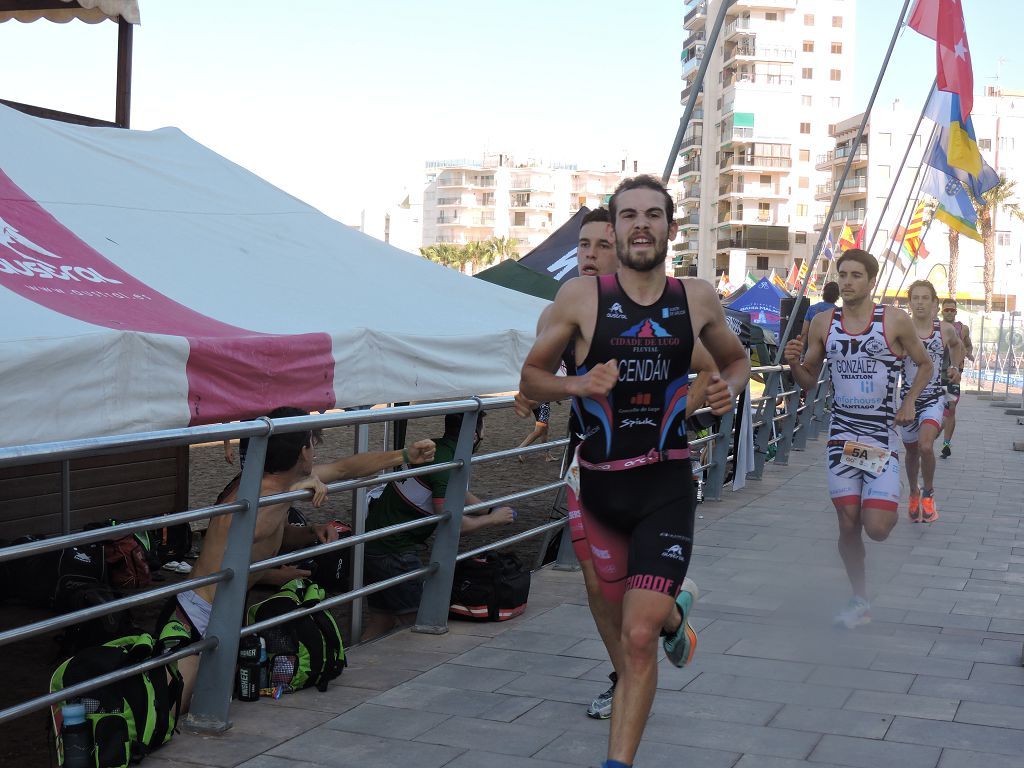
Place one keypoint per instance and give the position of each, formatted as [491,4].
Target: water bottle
[247,684]
[76,735]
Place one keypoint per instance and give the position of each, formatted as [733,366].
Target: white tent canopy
[89,11]
[147,282]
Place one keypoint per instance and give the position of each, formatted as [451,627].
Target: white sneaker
[856,613]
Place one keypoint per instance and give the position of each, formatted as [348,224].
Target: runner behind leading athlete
[634,334]
[953,391]
[863,344]
[942,343]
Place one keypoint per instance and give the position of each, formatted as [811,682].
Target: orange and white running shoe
[928,512]
[914,509]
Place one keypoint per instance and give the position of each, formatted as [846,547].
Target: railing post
[788,424]
[432,617]
[995,360]
[820,399]
[765,413]
[212,697]
[720,456]
[805,417]
[359,507]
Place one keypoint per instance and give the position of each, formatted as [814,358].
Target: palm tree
[504,247]
[1000,196]
[445,254]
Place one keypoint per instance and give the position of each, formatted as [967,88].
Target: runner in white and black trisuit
[946,352]
[953,390]
[863,344]
[634,334]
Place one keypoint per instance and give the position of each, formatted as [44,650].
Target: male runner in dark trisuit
[634,334]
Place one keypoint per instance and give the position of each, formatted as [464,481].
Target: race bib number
[572,474]
[866,457]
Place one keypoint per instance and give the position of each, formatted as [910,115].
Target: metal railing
[779,405]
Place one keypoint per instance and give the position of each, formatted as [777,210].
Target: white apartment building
[466,201]
[779,77]
[876,163]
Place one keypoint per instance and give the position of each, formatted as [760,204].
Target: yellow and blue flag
[954,150]
[955,207]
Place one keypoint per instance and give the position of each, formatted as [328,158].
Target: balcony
[849,215]
[853,185]
[748,50]
[697,14]
[685,93]
[766,162]
[690,221]
[760,81]
[738,134]
[691,65]
[696,37]
[739,27]
[690,193]
[692,140]
[688,168]
[840,153]
[450,181]
[449,201]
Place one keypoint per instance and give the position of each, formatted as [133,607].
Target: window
[801,209]
[884,171]
[837,47]
[806,100]
[808,46]
[808,19]
[771,16]
[985,144]
[835,75]
[833,102]
[1002,238]
[765,179]
[1006,142]
[831,129]
[762,262]
[804,182]
[805,155]
[519,219]
[885,139]
[800,238]
[805,127]
[837,21]
[806,73]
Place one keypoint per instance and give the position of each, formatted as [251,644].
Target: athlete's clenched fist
[599,380]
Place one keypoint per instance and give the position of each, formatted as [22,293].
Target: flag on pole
[827,250]
[943,22]
[955,149]
[723,284]
[859,241]
[906,254]
[778,282]
[955,207]
[912,239]
[845,240]
[751,281]
[802,275]
[792,279]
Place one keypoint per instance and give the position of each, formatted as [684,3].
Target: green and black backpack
[129,718]
[307,651]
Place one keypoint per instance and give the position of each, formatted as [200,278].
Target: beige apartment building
[779,78]
[499,196]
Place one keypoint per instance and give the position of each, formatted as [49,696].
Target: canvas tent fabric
[763,302]
[147,282]
[556,256]
[511,274]
[89,11]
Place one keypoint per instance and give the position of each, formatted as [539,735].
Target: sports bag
[131,717]
[307,651]
[47,579]
[99,630]
[491,587]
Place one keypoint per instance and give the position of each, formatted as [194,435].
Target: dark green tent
[512,274]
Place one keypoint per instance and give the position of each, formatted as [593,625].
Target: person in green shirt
[401,501]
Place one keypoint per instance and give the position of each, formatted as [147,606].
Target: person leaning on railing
[289,466]
[402,501]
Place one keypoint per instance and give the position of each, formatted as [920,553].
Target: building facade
[778,79]
[467,201]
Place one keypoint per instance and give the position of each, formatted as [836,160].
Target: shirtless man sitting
[288,467]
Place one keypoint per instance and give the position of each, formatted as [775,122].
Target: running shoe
[856,613]
[945,449]
[680,646]
[928,512]
[914,508]
[601,707]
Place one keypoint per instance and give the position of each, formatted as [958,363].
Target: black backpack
[102,629]
[129,718]
[492,587]
[47,580]
[307,651]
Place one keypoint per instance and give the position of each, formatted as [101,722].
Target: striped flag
[792,278]
[778,282]
[912,241]
[846,240]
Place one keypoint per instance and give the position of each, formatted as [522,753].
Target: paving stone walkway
[935,680]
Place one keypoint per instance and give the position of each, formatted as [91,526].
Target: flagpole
[842,180]
[691,101]
[903,163]
[906,202]
[923,236]
[880,296]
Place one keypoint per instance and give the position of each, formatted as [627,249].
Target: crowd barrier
[782,418]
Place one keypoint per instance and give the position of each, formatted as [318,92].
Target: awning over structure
[63,11]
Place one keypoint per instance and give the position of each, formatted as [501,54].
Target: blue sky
[340,102]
